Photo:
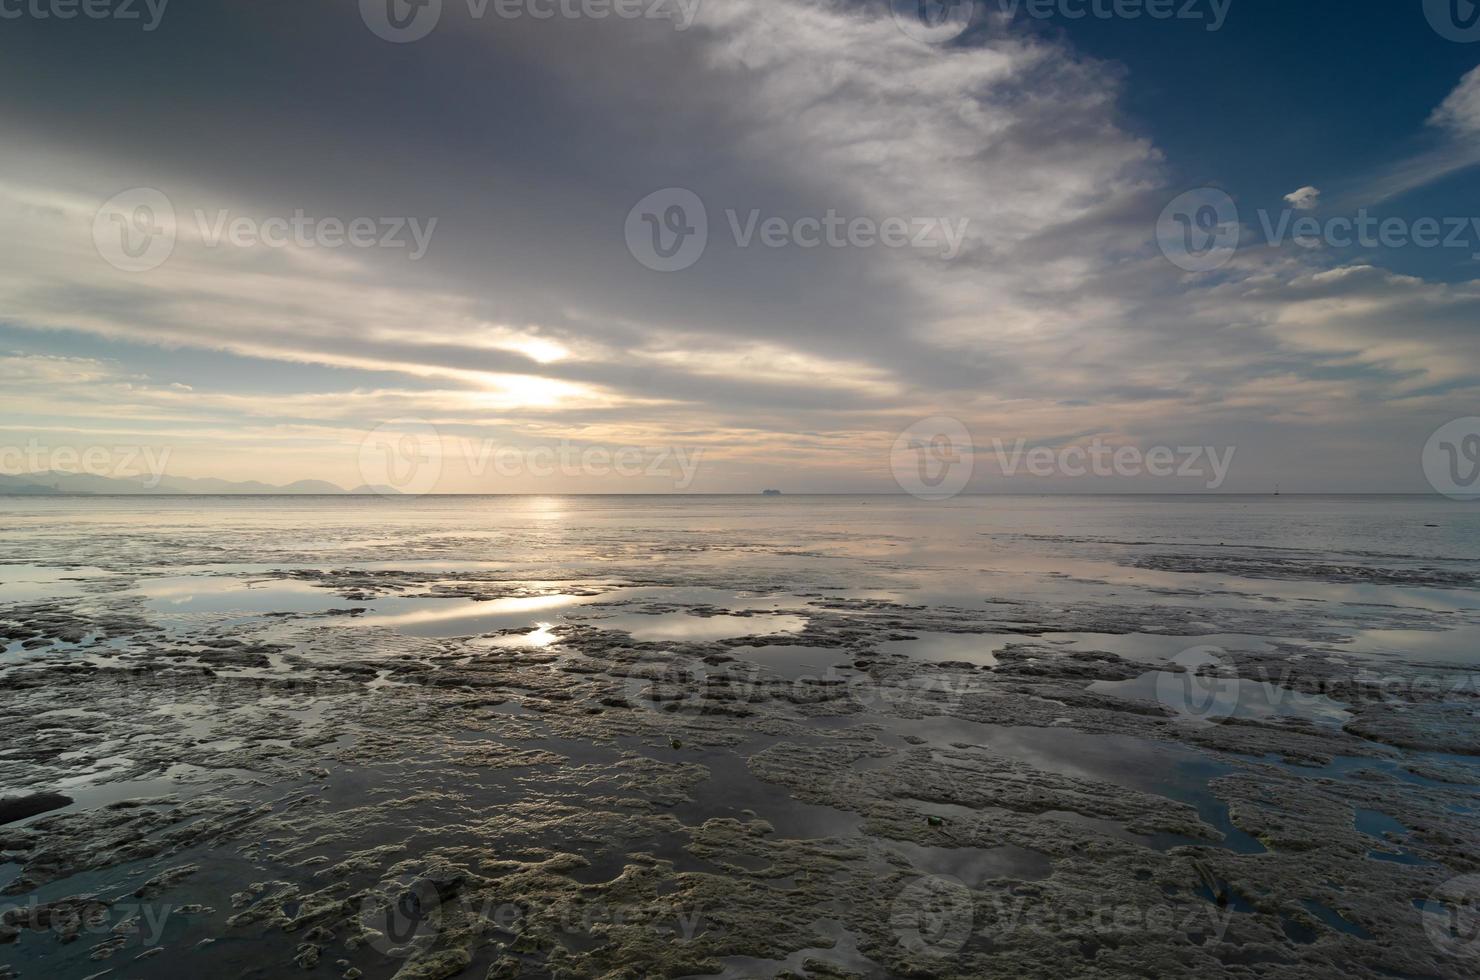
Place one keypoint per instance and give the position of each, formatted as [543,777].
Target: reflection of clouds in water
[219,594]
[976,865]
[25,582]
[1460,645]
[1229,696]
[465,609]
[793,662]
[976,648]
[681,626]
[540,637]
[788,578]
[1148,647]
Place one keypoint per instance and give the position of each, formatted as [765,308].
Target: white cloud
[1460,111]
[1305,199]
[528,316]
[1457,121]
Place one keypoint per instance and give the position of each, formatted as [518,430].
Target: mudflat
[724,736]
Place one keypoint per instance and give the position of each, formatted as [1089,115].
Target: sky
[724,245]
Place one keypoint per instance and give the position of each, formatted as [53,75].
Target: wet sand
[823,737]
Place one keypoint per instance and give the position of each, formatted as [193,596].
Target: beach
[737,736]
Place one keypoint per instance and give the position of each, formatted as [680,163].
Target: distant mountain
[17,484]
[172,484]
[57,481]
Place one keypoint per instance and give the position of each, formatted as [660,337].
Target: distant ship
[770,493]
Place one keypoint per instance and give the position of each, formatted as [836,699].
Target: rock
[65,918]
[307,956]
[165,880]
[506,968]
[435,966]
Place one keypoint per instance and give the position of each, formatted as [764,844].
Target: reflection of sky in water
[975,648]
[965,552]
[461,617]
[1384,828]
[974,527]
[1375,823]
[1228,697]
[209,596]
[731,789]
[840,952]
[422,616]
[742,554]
[203,594]
[1148,647]
[682,626]
[1458,645]
[23,583]
[793,662]
[975,865]
[1057,570]
[1163,769]
[702,596]
[539,637]
[959,552]
[1334,920]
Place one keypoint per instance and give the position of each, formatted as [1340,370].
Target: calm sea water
[1407,524]
[1223,551]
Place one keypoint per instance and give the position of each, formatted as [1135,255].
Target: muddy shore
[728,755]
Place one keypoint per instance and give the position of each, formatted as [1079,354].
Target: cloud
[1456,123]
[1305,199]
[528,318]
[1460,111]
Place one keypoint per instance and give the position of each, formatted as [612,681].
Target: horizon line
[750,493]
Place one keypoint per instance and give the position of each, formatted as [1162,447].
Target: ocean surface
[739,736]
